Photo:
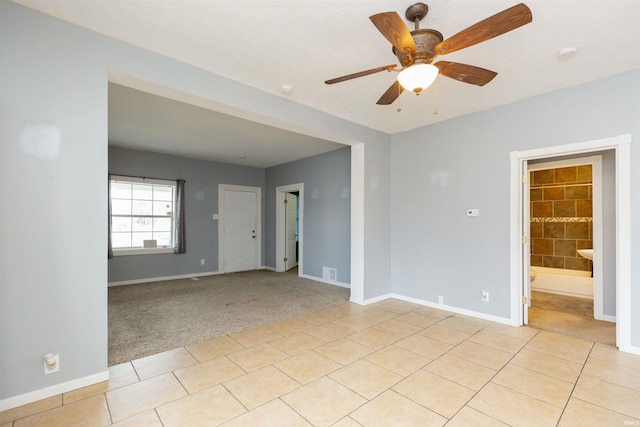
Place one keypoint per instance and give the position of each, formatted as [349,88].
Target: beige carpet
[570,316]
[149,318]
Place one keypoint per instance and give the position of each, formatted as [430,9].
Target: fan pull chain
[435,97]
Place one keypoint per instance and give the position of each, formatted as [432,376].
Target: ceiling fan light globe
[418,77]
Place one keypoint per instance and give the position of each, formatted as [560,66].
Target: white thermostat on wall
[472,212]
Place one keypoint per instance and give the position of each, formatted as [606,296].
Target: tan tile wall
[561,217]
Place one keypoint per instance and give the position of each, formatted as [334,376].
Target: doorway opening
[289,227]
[565,221]
[617,249]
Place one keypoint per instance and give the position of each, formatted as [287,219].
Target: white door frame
[622,147]
[597,238]
[280,225]
[228,187]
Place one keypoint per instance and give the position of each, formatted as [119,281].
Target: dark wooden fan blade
[360,74]
[498,24]
[393,29]
[465,73]
[391,94]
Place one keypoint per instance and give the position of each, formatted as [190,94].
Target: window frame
[148,181]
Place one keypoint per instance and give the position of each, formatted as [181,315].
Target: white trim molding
[43,393]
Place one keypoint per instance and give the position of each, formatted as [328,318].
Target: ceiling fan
[417,49]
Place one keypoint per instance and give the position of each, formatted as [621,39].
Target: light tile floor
[392,363]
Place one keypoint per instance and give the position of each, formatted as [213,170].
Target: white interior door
[291,217]
[240,231]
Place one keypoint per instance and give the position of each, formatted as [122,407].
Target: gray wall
[53,164]
[327,202]
[201,177]
[443,169]
[53,168]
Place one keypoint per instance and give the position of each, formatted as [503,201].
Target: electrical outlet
[51,363]
[202,262]
[440,299]
[485,295]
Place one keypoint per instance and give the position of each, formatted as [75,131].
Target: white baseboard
[162,278]
[609,318]
[456,310]
[43,393]
[328,282]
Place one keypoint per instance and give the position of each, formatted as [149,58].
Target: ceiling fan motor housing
[426,40]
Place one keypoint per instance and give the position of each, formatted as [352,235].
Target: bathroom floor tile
[162,363]
[373,338]
[379,315]
[145,419]
[397,328]
[561,369]
[461,371]
[585,414]
[317,318]
[444,334]
[514,408]
[290,326]
[324,401]
[296,343]
[399,306]
[547,344]
[30,409]
[356,323]
[435,312]
[254,336]
[612,373]
[89,412]
[607,395]
[539,386]
[207,374]
[328,332]
[523,332]
[366,378]
[393,409]
[417,319]
[261,386]
[209,407]
[402,362]
[344,351]
[482,355]
[213,348]
[272,414]
[344,310]
[611,354]
[461,324]
[441,396]
[84,392]
[121,375]
[307,367]
[423,346]
[136,398]
[257,357]
[470,417]
[498,341]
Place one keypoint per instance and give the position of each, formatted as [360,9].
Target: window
[142,215]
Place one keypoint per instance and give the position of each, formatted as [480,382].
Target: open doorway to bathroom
[565,231]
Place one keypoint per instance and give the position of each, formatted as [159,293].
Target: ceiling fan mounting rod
[416,12]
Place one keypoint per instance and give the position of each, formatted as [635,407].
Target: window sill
[142,251]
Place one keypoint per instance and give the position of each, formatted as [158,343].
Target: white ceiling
[268,43]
